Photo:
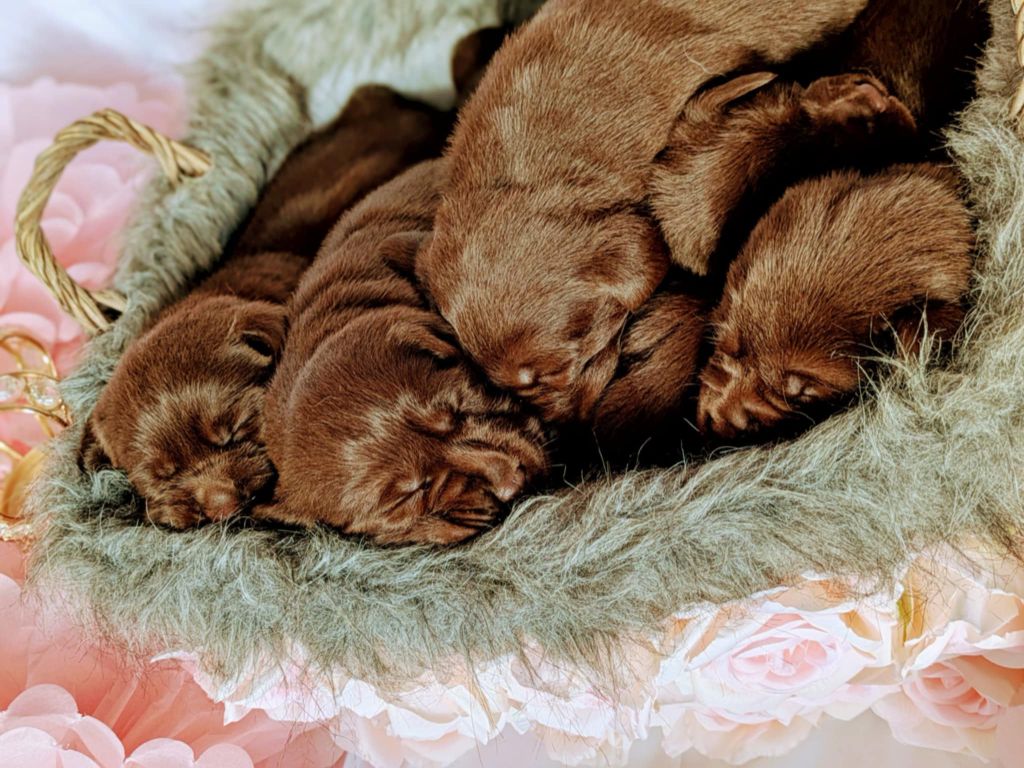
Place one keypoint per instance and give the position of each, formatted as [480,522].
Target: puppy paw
[856,106]
[176,517]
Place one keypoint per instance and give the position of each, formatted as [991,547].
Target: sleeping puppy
[841,266]
[727,142]
[543,247]
[182,412]
[378,135]
[377,423]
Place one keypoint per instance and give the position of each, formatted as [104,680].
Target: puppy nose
[713,424]
[503,475]
[723,419]
[219,499]
[507,487]
[707,411]
[737,415]
[525,377]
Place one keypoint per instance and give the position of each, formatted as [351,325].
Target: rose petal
[161,753]
[224,756]
[93,738]
[42,701]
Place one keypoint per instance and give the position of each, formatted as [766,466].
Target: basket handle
[176,160]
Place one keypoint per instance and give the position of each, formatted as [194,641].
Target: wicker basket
[300,602]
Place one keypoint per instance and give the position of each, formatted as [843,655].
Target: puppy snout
[723,414]
[509,486]
[732,412]
[503,475]
[218,498]
[525,376]
[736,415]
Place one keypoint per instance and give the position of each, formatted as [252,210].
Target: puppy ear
[631,262]
[470,58]
[716,98]
[91,455]
[432,336]
[261,332]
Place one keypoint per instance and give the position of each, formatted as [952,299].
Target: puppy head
[182,412]
[410,444]
[540,304]
[836,271]
[754,386]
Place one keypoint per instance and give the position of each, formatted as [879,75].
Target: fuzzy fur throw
[933,455]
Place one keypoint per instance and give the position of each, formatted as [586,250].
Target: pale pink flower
[66,702]
[963,655]
[751,679]
[444,715]
[736,738]
[42,727]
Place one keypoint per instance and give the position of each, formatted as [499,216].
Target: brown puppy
[729,148]
[375,420]
[836,266]
[378,135]
[182,411]
[542,246]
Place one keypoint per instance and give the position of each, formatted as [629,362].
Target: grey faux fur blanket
[934,455]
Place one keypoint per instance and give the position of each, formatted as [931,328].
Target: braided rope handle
[176,160]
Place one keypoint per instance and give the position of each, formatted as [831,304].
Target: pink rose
[963,656]
[66,702]
[751,679]
[43,727]
[736,738]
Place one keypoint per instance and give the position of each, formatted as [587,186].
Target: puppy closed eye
[404,491]
[559,377]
